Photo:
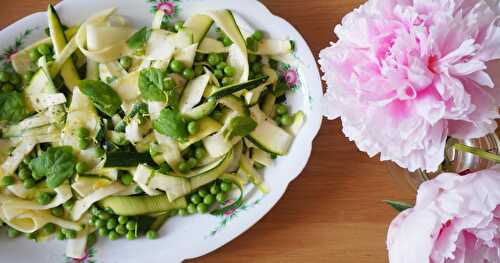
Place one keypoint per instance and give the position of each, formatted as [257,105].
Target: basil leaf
[102,95]
[399,206]
[56,164]
[12,107]
[139,38]
[170,123]
[240,126]
[151,84]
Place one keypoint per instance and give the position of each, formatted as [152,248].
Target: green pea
[43,198]
[112,235]
[44,49]
[122,220]
[203,192]
[151,234]
[192,162]
[126,179]
[126,62]
[226,187]
[227,41]
[213,59]
[214,189]
[121,229]
[57,211]
[24,173]
[184,167]
[198,70]
[202,208]
[7,87]
[102,232]
[169,84]
[60,235]
[176,66]
[252,58]
[50,228]
[131,235]
[69,204]
[4,76]
[83,143]
[13,233]
[182,212]
[200,57]
[111,223]
[222,65]
[200,153]
[286,120]
[15,79]
[281,109]
[93,220]
[252,44]
[221,197]
[131,225]
[195,199]
[256,67]
[70,234]
[81,167]
[188,73]
[178,26]
[95,210]
[29,183]
[191,209]
[227,81]
[219,74]
[258,35]
[209,199]
[34,55]
[100,223]
[229,71]
[8,180]
[104,215]
[193,127]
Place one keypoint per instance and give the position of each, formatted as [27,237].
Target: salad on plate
[108,131]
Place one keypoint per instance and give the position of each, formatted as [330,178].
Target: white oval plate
[194,236]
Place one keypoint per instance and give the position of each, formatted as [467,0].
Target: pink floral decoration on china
[167,7]
[405,75]
[455,219]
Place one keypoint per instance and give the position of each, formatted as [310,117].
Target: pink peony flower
[456,219]
[406,74]
[167,7]
[291,77]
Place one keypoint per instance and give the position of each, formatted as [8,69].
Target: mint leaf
[399,206]
[139,38]
[170,123]
[102,95]
[56,164]
[151,84]
[12,107]
[240,126]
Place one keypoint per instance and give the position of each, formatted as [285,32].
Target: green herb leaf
[240,126]
[12,107]
[399,206]
[102,95]
[151,84]
[139,38]
[56,164]
[170,123]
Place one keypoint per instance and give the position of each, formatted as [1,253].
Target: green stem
[478,152]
